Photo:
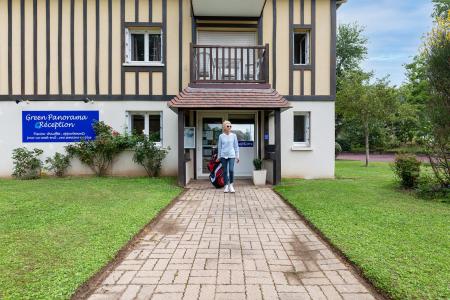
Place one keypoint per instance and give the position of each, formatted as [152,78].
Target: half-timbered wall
[74,49]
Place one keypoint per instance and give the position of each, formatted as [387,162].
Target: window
[148,123]
[143,47]
[301,128]
[301,48]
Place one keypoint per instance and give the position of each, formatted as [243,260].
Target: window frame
[307,142]
[146,32]
[146,115]
[307,50]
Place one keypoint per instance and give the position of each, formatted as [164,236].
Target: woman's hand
[237,160]
[217,160]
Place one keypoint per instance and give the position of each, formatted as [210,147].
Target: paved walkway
[247,245]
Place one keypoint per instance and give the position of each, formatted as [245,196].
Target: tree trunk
[366,136]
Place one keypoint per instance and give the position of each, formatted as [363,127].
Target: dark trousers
[228,167]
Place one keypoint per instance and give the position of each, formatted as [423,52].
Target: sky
[394,29]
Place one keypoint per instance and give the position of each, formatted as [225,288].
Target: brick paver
[247,245]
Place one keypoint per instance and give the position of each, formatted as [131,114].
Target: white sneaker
[226,190]
[232,189]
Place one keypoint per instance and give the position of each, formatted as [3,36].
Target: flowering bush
[99,154]
[148,154]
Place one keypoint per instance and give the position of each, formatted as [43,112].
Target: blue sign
[58,126]
[245,144]
[266,136]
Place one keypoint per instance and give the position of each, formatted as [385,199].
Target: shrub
[58,164]
[99,154]
[407,168]
[257,163]
[430,188]
[149,155]
[337,149]
[27,164]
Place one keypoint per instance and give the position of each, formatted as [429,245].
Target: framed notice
[189,137]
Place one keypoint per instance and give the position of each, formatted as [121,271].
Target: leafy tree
[441,8]
[366,103]
[437,54]
[351,48]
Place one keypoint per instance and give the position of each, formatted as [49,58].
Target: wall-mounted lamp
[22,100]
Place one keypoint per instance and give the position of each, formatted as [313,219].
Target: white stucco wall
[316,161]
[112,113]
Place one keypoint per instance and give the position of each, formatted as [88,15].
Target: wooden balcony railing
[229,64]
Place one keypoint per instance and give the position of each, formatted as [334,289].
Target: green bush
[58,164]
[27,164]
[407,169]
[99,154]
[430,188]
[337,149]
[257,163]
[148,154]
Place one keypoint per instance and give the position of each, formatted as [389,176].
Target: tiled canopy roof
[213,98]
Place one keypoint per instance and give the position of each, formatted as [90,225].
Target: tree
[351,48]
[366,103]
[441,8]
[437,56]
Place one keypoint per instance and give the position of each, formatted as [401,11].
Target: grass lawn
[401,243]
[56,233]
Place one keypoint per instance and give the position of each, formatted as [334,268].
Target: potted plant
[259,175]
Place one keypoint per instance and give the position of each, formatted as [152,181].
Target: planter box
[259,177]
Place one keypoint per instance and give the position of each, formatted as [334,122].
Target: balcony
[229,64]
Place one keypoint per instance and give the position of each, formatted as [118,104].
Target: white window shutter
[127,45]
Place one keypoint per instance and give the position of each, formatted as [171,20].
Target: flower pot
[259,177]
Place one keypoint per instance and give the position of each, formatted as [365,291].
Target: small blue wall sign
[245,144]
[58,126]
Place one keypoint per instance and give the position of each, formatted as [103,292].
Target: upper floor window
[143,46]
[301,48]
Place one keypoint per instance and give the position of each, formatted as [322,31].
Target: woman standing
[228,152]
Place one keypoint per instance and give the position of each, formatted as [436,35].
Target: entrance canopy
[226,98]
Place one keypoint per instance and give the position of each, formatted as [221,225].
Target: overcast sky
[394,28]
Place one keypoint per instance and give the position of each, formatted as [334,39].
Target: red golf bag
[216,172]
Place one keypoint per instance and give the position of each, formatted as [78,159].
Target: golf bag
[216,172]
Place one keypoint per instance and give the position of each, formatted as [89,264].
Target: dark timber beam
[181,160]
[277,161]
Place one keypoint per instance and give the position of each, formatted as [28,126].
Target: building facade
[177,68]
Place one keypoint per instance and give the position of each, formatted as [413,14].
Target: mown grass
[56,233]
[401,243]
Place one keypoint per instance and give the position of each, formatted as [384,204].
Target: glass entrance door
[244,126]
[212,128]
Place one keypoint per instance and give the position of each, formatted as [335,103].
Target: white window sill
[143,64]
[301,148]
